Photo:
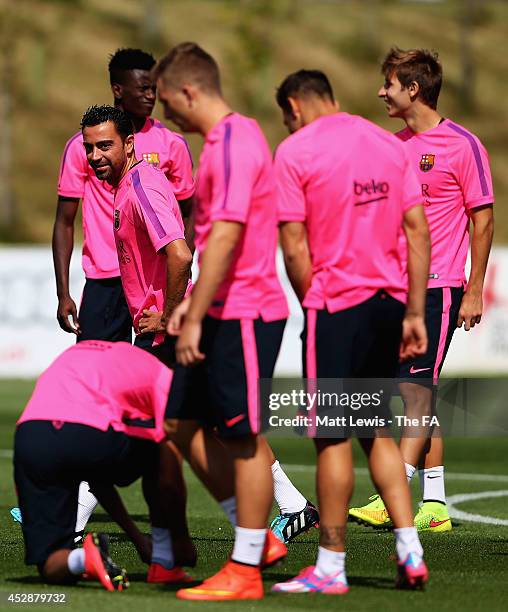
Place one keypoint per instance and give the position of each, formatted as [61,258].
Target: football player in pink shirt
[345,190]
[153,255]
[231,327]
[453,169]
[90,419]
[103,313]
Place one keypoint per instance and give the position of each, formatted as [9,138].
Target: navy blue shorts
[51,459]
[358,342]
[223,390]
[165,352]
[103,313]
[441,313]
[357,351]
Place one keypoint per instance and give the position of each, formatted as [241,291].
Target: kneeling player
[90,419]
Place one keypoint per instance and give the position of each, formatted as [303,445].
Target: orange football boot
[233,581]
[274,550]
[157,573]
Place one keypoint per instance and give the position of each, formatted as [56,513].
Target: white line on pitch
[468,516]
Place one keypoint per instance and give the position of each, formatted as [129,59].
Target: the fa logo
[152,159]
[116,224]
[427,162]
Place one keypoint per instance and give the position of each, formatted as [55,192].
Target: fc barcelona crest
[152,159]
[427,162]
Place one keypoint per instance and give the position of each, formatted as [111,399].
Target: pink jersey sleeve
[471,165]
[236,169]
[412,190]
[73,169]
[290,194]
[180,173]
[154,205]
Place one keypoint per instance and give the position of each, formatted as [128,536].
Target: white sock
[229,507]
[87,502]
[76,561]
[407,541]
[288,497]
[162,548]
[329,562]
[410,470]
[432,484]
[249,544]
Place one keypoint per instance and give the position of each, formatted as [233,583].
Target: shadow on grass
[168,588]
[100,517]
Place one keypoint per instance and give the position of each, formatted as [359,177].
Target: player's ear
[117,90]
[295,107]
[189,91]
[413,89]
[129,144]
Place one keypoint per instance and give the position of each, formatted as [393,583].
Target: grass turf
[468,566]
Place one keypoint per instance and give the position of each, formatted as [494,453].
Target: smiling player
[453,168]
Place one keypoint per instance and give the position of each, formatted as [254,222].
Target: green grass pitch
[468,567]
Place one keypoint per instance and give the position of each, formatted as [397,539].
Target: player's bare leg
[335,479]
[253,480]
[207,455]
[417,404]
[387,472]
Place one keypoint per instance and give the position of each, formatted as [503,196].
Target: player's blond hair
[188,62]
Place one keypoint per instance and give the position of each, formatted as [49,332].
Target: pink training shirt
[350,182]
[235,183]
[102,385]
[453,168]
[146,219]
[159,147]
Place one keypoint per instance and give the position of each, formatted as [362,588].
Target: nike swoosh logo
[370,201]
[413,370]
[234,420]
[434,523]
[432,477]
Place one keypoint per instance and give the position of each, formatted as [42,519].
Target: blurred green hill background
[54,54]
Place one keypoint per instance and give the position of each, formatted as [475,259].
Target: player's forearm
[296,258]
[179,262]
[177,281]
[62,244]
[418,241]
[481,243]
[215,263]
[111,501]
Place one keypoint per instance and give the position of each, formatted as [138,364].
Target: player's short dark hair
[189,62]
[301,84]
[95,115]
[420,65]
[128,59]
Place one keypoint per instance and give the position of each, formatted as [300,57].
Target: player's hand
[471,309]
[187,345]
[152,322]
[177,317]
[414,337]
[67,315]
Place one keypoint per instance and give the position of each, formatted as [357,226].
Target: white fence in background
[30,337]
